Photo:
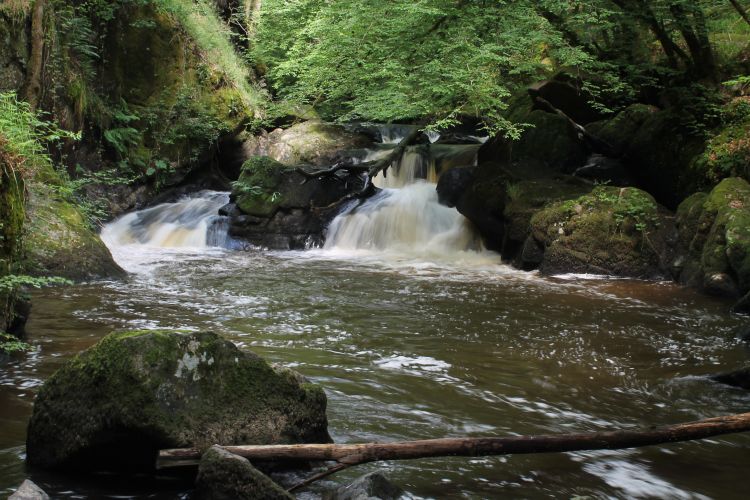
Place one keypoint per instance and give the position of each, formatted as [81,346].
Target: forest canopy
[438,60]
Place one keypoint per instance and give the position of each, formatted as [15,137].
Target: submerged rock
[714,239]
[738,378]
[29,491]
[372,486]
[279,210]
[312,142]
[226,476]
[117,403]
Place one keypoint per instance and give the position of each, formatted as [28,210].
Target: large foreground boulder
[117,403]
[226,476]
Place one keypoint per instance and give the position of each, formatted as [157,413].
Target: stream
[415,332]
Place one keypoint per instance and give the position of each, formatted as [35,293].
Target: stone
[311,142]
[372,486]
[738,378]
[612,231]
[29,491]
[714,239]
[225,476]
[453,184]
[118,402]
[278,210]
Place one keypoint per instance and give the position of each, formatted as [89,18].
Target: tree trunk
[742,11]
[696,38]
[34,72]
[354,454]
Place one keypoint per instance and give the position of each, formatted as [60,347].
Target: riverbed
[410,348]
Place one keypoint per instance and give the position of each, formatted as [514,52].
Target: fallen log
[348,455]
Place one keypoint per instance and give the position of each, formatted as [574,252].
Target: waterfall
[192,221]
[405,216]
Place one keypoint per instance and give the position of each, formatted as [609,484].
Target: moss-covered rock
[615,231]
[280,208]
[58,239]
[132,393]
[12,215]
[225,476]
[311,142]
[714,239]
[620,130]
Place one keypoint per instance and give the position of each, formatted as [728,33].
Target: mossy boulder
[620,130]
[714,232]
[58,239]
[614,231]
[12,215]
[226,476]
[133,393]
[311,142]
[281,209]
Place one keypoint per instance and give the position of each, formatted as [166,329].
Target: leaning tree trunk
[742,11]
[34,72]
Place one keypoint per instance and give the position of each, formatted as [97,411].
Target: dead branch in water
[348,455]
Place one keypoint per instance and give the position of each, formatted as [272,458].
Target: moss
[610,230]
[177,389]
[59,240]
[12,212]
[258,189]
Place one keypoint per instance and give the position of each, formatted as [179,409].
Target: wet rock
[738,378]
[714,239]
[117,403]
[613,231]
[312,142]
[373,486]
[279,210]
[620,130]
[606,170]
[566,92]
[226,476]
[29,491]
[453,184]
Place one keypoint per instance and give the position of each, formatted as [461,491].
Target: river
[417,334]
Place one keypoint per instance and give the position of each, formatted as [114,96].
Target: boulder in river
[114,405]
[738,378]
[714,239]
[226,476]
[372,486]
[613,231]
[280,209]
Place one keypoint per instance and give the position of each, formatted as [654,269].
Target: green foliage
[11,282]
[10,344]
[435,60]
[727,153]
[625,204]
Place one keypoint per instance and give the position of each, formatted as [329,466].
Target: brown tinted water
[412,350]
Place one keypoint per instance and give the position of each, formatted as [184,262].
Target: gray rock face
[225,476]
[117,403]
[29,491]
[373,486]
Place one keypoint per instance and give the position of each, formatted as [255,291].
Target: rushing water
[416,332]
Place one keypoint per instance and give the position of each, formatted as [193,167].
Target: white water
[405,218]
[191,222]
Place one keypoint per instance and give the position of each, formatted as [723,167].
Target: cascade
[405,216]
[191,221]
